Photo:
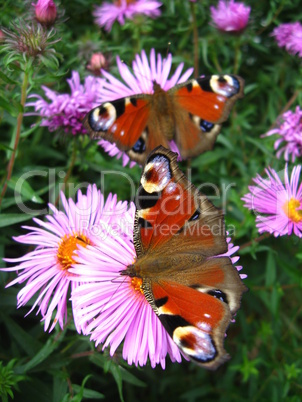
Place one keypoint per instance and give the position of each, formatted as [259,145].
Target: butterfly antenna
[114,293]
[168,48]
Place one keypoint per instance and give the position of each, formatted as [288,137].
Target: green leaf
[60,387]
[7,79]
[30,345]
[6,148]
[11,219]
[109,365]
[42,355]
[9,107]
[88,393]
[80,390]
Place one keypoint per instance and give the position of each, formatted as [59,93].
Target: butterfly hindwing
[190,114]
[194,320]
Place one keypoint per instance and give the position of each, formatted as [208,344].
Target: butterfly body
[179,237]
[190,114]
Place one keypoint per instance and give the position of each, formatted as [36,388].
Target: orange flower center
[119,2]
[137,284]
[291,210]
[68,246]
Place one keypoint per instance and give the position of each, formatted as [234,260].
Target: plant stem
[11,162]
[257,240]
[237,57]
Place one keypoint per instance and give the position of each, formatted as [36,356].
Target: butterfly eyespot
[198,344]
[219,295]
[140,146]
[101,118]
[195,216]
[226,85]
[157,173]
[205,126]
[221,80]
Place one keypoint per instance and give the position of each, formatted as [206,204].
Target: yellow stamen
[137,284]
[291,210]
[69,244]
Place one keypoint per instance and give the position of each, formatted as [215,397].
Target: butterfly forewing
[169,208]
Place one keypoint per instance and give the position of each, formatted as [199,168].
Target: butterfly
[179,236]
[190,114]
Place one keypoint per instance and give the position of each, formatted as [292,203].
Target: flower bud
[97,62]
[45,12]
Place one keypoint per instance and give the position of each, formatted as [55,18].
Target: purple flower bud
[45,12]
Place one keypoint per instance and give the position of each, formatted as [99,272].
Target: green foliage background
[265,342]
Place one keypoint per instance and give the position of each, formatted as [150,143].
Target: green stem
[195,40]
[11,162]
[237,58]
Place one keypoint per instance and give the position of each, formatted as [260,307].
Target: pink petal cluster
[45,12]
[230,16]
[66,111]
[277,204]
[45,269]
[106,14]
[145,73]
[289,35]
[289,130]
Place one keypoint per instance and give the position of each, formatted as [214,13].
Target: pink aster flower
[45,12]
[289,36]
[289,130]
[106,14]
[66,111]
[276,203]
[145,72]
[112,308]
[230,16]
[56,242]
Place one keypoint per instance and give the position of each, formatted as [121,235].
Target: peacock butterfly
[179,236]
[190,113]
